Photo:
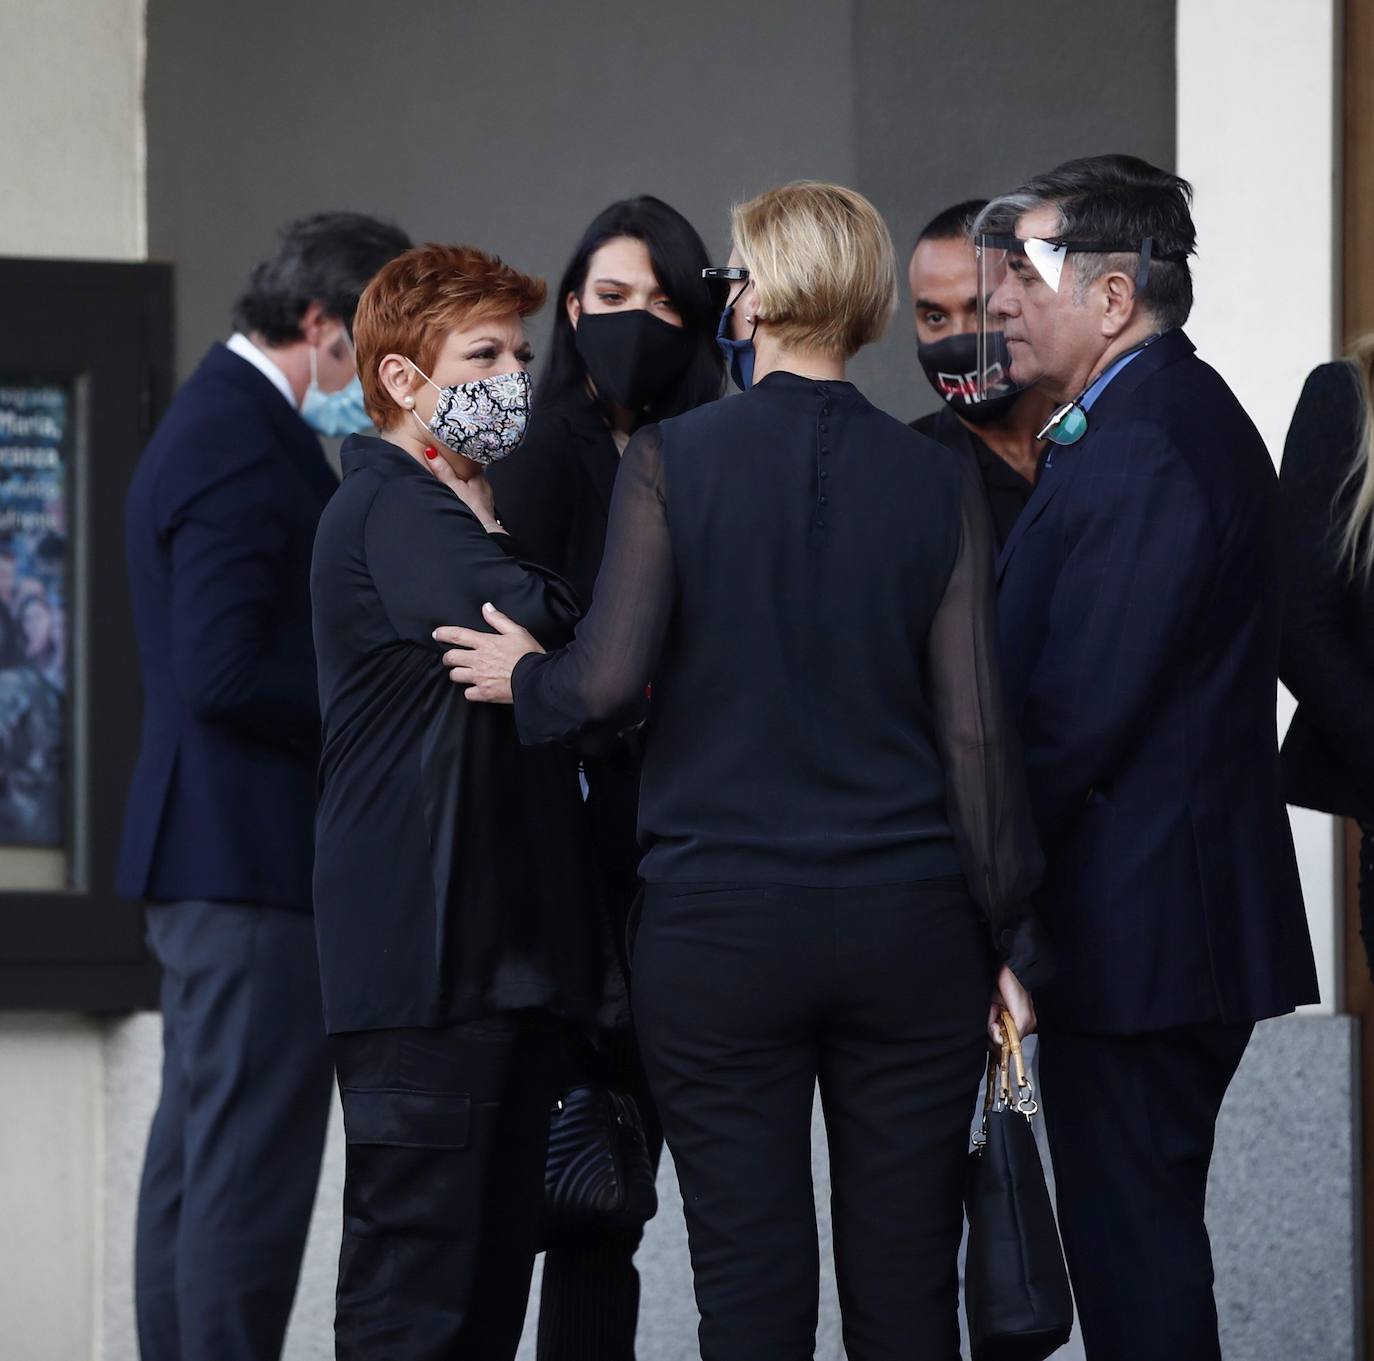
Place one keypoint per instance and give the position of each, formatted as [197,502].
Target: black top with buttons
[808,585]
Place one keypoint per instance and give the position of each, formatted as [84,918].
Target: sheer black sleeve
[598,681]
[989,807]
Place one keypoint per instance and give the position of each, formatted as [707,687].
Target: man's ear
[1119,303]
[315,325]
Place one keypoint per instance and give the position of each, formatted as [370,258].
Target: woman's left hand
[484,661]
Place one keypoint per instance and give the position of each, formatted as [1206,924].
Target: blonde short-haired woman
[1327,481]
[839,850]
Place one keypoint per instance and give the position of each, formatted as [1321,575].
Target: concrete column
[1258,134]
[71,104]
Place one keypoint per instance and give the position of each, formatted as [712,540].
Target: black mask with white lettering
[951,365]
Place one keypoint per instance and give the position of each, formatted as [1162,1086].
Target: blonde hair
[822,261]
[1357,534]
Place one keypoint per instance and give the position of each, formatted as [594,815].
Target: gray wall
[512,125]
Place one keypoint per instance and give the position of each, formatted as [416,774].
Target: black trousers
[447,1132]
[1131,1121]
[745,999]
[234,1150]
[589,1300]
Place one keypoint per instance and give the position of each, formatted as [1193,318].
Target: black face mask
[951,365]
[633,358]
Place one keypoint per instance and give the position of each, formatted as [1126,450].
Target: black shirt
[1006,490]
[451,874]
[554,494]
[808,585]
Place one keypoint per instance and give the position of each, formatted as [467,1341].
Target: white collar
[245,349]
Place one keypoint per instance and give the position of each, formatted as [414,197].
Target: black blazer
[451,874]
[1140,628]
[1328,632]
[219,522]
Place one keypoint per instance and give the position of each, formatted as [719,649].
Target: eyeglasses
[730,273]
[1067,425]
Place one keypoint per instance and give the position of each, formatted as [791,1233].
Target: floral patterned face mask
[483,420]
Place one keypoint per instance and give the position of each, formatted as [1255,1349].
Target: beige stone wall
[71,161]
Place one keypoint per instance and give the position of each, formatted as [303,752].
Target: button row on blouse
[825,453]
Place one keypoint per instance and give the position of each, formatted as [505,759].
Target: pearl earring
[409,402]
[748,320]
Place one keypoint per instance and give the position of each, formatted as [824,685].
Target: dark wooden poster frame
[105,329]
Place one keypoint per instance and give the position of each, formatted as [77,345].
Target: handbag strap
[998,1096]
[1026,1104]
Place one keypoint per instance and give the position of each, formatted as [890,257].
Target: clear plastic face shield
[1020,280]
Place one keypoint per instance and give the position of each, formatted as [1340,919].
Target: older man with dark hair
[1140,626]
[219,829]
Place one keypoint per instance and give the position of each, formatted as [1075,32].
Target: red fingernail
[431,452]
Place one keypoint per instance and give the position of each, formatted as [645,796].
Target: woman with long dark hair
[1327,481]
[633,341]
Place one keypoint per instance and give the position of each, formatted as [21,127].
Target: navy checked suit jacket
[220,523]
[1139,609]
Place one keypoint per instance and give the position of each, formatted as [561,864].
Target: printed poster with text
[35,462]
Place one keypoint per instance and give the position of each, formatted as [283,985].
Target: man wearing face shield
[1139,604]
[994,423]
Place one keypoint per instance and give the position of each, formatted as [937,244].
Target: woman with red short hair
[458,930]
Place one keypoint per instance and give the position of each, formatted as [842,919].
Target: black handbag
[1016,1288]
[598,1173]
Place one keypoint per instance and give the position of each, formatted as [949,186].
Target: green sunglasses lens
[1068,425]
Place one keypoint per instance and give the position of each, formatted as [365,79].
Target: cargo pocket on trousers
[392,1118]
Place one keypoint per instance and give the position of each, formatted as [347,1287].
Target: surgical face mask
[483,420]
[634,358]
[951,366]
[334,413]
[739,354]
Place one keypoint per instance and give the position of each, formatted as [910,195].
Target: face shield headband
[1044,259]
[1047,257]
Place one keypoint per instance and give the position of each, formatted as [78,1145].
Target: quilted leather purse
[598,1172]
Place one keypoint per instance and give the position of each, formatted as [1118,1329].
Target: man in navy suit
[1140,625]
[219,828]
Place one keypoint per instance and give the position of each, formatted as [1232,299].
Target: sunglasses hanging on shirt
[1069,423]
